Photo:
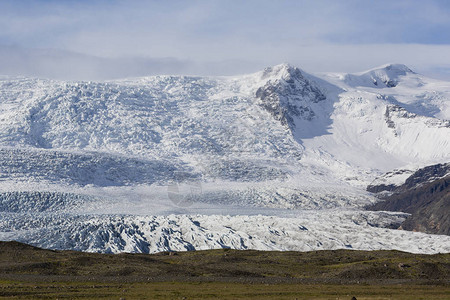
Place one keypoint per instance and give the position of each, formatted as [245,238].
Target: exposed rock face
[425,195]
[427,174]
[397,112]
[419,177]
[289,96]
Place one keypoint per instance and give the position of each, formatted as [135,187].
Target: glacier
[275,160]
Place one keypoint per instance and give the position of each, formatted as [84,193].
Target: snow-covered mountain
[176,162]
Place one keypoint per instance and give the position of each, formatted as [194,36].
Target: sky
[98,39]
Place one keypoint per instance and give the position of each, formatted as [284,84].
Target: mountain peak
[287,94]
[282,71]
[381,77]
[397,69]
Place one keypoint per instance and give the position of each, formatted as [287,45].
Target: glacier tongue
[279,159]
[308,230]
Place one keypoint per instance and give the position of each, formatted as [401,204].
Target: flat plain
[29,272]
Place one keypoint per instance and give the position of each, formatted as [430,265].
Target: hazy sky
[101,39]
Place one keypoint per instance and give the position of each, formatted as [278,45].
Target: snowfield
[279,159]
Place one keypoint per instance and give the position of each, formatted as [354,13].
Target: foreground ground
[28,272]
[217,290]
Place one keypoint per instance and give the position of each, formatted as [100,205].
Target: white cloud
[200,36]
[427,59]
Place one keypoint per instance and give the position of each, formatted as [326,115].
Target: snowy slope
[382,127]
[128,154]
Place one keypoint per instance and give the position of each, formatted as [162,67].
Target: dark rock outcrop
[289,97]
[425,195]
